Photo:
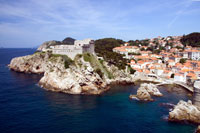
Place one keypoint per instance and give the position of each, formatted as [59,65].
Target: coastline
[121,83]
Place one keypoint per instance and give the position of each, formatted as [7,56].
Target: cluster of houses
[164,41]
[178,64]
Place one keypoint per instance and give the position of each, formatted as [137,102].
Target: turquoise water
[25,107]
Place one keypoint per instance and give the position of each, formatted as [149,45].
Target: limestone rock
[185,111]
[143,94]
[151,89]
[145,91]
[73,77]
[72,80]
[133,97]
[36,63]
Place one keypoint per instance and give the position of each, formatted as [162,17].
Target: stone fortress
[70,49]
[196,97]
[79,47]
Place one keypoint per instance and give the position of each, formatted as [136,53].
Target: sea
[27,108]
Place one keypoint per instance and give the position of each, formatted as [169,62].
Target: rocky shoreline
[185,111]
[91,77]
[36,63]
[79,76]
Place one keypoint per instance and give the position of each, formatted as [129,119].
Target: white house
[185,55]
[159,71]
[180,77]
[194,54]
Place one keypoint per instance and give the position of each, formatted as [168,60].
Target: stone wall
[69,52]
[82,42]
[79,47]
[89,48]
[196,97]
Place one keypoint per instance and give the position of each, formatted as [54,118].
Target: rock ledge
[185,111]
[145,91]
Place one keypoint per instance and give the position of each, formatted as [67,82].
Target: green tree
[192,39]
[104,48]
[172,76]
[182,61]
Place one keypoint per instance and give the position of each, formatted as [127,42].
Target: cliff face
[79,78]
[85,75]
[185,111]
[47,44]
[36,63]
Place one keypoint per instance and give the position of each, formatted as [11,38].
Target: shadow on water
[76,102]
[25,77]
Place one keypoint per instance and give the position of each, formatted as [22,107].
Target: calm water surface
[25,107]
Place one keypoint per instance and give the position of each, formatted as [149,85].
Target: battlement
[79,47]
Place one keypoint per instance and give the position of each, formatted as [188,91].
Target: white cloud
[54,19]
[185,4]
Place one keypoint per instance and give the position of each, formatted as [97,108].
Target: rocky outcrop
[152,89]
[74,80]
[185,111]
[36,63]
[143,94]
[84,75]
[145,91]
[47,44]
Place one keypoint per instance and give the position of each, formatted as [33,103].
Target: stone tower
[196,96]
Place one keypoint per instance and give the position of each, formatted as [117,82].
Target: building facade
[194,55]
[79,47]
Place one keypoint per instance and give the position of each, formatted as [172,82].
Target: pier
[189,88]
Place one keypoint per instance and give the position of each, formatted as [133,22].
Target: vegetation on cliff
[192,39]
[67,61]
[97,65]
[104,47]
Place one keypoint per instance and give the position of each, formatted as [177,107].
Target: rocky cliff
[185,111]
[36,63]
[83,75]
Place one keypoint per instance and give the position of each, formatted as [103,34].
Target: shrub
[172,76]
[132,71]
[67,61]
[104,48]
[87,57]
[101,61]
[98,71]
[182,61]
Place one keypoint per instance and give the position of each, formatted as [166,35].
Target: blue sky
[28,23]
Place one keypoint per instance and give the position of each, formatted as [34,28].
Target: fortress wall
[89,48]
[196,96]
[79,47]
[70,53]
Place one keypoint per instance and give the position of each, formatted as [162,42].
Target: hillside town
[166,58]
